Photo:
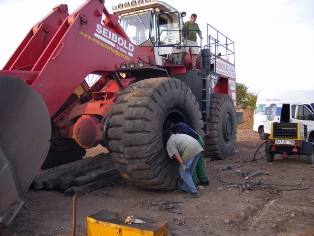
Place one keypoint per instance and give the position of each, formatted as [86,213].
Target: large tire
[136,130]
[221,140]
[270,157]
[62,151]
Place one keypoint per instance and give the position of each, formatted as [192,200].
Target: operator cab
[153,24]
[156,24]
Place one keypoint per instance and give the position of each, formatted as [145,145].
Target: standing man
[190,29]
[186,151]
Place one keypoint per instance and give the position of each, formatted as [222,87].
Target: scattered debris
[178,221]
[227,167]
[227,221]
[255,174]
[200,187]
[167,206]
[259,215]
[239,173]
[131,220]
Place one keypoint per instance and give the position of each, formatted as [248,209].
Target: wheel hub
[228,127]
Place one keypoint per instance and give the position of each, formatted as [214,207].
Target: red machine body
[61,50]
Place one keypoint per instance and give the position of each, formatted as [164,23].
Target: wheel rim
[228,127]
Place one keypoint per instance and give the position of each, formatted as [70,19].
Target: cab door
[169,34]
[304,116]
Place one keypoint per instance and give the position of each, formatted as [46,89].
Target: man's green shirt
[191,30]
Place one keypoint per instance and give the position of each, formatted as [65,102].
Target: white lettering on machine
[112,39]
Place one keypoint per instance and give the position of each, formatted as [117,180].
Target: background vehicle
[269,105]
[145,79]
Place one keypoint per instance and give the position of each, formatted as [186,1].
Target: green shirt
[185,145]
[190,30]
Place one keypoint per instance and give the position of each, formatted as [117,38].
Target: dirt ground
[280,201]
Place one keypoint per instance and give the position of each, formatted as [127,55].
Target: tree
[241,94]
[244,97]
[251,100]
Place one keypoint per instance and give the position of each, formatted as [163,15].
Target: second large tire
[221,140]
[136,130]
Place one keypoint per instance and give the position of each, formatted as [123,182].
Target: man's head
[193,18]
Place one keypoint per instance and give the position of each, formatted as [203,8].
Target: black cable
[254,159]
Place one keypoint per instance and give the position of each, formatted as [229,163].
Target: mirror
[183,14]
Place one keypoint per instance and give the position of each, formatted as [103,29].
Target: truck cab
[304,114]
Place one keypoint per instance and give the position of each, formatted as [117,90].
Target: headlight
[131,65]
[140,63]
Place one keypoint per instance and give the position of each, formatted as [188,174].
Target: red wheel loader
[142,78]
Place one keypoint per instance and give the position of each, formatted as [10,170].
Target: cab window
[138,26]
[169,28]
[303,113]
[260,108]
[271,110]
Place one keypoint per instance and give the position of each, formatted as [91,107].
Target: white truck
[269,105]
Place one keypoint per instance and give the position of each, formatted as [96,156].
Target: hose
[254,157]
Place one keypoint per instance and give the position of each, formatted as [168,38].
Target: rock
[227,221]
[200,187]
[239,173]
[254,174]
[220,188]
[227,167]
[274,226]
[292,214]
[179,221]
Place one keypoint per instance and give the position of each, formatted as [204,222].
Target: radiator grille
[285,130]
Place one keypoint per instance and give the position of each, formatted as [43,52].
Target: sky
[274,40]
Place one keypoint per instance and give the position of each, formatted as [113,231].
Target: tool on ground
[74,217]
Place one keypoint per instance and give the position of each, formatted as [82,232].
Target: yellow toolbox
[107,223]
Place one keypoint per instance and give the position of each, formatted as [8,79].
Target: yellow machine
[106,223]
[288,138]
